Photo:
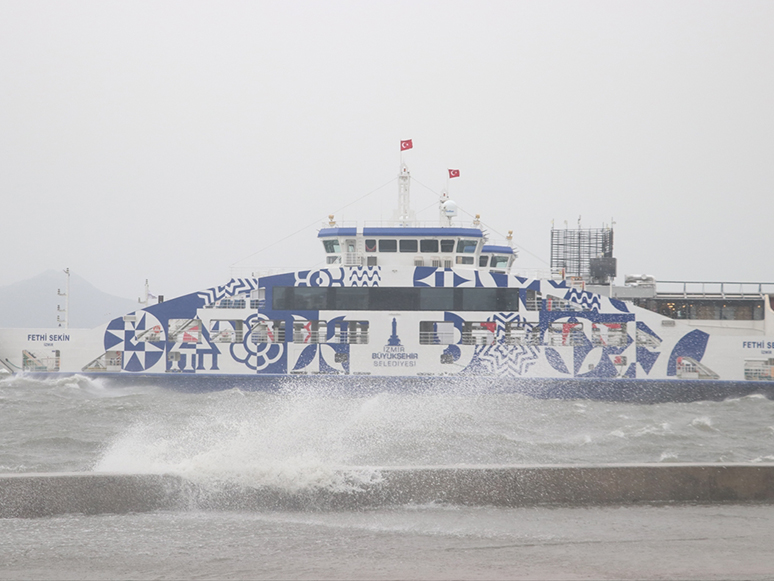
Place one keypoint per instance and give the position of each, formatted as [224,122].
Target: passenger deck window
[467,246]
[311,298]
[408,245]
[350,298]
[428,245]
[499,262]
[436,299]
[331,246]
[370,245]
[483,261]
[447,245]
[378,298]
[464,260]
[388,245]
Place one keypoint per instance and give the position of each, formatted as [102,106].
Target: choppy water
[298,438]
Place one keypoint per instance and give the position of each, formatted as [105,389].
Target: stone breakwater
[37,495]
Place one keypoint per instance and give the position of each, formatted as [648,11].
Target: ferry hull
[454,331]
[641,391]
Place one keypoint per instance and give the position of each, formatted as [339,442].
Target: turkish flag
[454,173]
[404,145]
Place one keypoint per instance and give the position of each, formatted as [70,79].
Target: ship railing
[419,224]
[261,271]
[353,259]
[713,289]
[531,272]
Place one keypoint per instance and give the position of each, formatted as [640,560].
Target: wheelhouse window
[268,331]
[370,245]
[388,245]
[499,262]
[447,245]
[408,246]
[331,246]
[309,331]
[436,332]
[467,246]
[428,245]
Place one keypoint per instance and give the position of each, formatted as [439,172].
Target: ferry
[416,307]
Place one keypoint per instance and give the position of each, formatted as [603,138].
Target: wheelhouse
[403,246]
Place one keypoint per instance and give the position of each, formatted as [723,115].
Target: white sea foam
[295,447]
[703,423]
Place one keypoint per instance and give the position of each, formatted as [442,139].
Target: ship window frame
[467,246]
[447,246]
[370,244]
[388,245]
[410,245]
[332,246]
[428,245]
[499,261]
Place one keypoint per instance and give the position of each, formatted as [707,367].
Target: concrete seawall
[35,495]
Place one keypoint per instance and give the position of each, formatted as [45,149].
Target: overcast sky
[172,140]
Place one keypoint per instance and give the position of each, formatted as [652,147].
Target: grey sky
[170,140]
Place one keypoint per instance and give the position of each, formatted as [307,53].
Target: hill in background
[33,302]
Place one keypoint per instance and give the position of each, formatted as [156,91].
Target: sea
[300,438]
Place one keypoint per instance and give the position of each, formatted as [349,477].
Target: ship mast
[404,200]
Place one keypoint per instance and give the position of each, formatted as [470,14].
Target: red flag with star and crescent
[454,173]
[407,144]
